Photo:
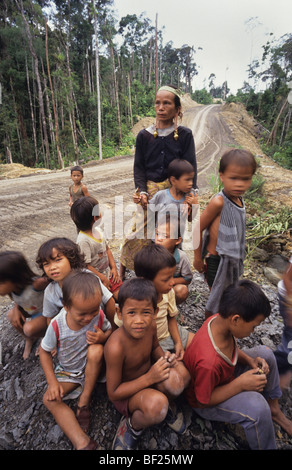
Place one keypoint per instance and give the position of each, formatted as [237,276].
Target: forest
[74,80]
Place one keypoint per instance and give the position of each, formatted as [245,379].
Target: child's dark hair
[137,288]
[77,168]
[238,157]
[179,167]
[15,268]
[246,299]
[82,283]
[151,259]
[62,245]
[82,212]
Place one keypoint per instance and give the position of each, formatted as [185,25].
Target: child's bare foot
[285,380]
[279,417]
[28,347]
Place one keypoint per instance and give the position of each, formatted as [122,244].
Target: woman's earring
[175,135]
[155,133]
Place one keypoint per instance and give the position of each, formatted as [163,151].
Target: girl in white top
[57,257]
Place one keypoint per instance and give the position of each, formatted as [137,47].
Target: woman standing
[156,147]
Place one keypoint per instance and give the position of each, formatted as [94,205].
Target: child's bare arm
[70,198]
[119,390]
[254,363]
[41,283]
[55,391]
[114,275]
[209,214]
[85,190]
[181,280]
[158,352]
[17,317]
[101,276]
[174,333]
[98,336]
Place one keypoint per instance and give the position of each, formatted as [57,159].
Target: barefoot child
[57,257]
[93,245]
[79,331]
[233,385]
[139,374]
[77,189]
[222,252]
[26,289]
[167,234]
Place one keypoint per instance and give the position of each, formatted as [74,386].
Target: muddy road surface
[35,208]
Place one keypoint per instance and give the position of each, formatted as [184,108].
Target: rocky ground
[24,422]
[27,425]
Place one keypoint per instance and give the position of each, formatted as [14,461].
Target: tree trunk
[273,134]
[18,122]
[130,101]
[156,56]
[40,91]
[60,159]
[71,107]
[32,114]
[97,83]
[116,91]
[150,63]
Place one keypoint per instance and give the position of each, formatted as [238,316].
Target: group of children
[146,357]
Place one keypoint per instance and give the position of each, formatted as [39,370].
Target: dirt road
[35,208]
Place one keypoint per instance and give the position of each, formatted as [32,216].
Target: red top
[208,366]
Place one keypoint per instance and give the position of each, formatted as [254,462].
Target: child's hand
[170,358]
[136,198]
[179,351]
[260,364]
[159,371]
[114,276]
[253,381]
[17,318]
[191,199]
[95,337]
[144,200]
[199,265]
[54,392]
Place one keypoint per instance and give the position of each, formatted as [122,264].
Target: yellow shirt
[167,306]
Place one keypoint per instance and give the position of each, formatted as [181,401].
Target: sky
[230,32]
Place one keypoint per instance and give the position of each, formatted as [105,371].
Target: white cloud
[220,28]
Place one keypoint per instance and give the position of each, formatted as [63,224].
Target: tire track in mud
[35,208]
[212,138]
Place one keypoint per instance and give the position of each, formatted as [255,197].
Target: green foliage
[269,223]
[270,107]
[202,96]
[281,154]
[126,79]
